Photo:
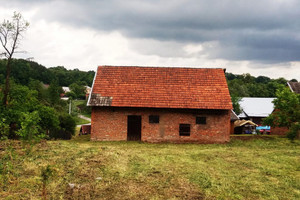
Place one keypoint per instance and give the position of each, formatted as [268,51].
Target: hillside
[23,71]
[246,85]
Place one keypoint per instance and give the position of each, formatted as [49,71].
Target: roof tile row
[163,87]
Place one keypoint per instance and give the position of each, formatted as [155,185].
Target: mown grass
[255,169]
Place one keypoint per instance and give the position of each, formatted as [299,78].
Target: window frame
[153,119]
[201,120]
[184,132]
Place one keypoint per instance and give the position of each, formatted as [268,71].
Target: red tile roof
[160,87]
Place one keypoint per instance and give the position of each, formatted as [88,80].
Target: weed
[46,173]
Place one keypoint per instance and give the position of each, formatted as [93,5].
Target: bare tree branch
[10,35]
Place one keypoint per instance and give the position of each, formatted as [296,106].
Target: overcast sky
[260,37]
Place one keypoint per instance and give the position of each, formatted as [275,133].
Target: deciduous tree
[11,33]
[287,112]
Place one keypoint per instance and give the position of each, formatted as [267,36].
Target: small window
[200,120]
[154,119]
[184,129]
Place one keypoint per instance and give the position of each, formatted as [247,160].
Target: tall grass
[256,169]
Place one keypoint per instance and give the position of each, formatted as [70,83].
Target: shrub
[66,127]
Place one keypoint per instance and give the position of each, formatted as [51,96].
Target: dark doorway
[134,124]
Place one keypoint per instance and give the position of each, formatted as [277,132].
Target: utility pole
[70,106]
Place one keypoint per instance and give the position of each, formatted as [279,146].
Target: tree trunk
[6,90]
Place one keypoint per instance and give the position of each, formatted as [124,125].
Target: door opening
[134,125]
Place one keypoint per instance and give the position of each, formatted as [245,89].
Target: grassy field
[256,169]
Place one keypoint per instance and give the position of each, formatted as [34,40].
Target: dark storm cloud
[265,30]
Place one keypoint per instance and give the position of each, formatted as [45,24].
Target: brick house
[160,104]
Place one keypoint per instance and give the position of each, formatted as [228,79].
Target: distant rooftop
[66,89]
[294,86]
[256,107]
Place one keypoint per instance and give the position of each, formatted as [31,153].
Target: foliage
[46,173]
[66,128]
[83,108]
[4,128]
[80,121]
[49,118]
[54,92]
[28,117]
[38,86]
[77,90]
[22,71]
[29,126]
[287,112]
[67,77]
[246,85]
[236,106]
[294,131]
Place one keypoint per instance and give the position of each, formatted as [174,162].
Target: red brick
[110,124]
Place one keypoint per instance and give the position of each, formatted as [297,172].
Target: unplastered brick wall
[110,124]
[279,130]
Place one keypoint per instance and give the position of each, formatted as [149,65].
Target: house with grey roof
[255,108]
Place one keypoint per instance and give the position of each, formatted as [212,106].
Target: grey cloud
[265,30]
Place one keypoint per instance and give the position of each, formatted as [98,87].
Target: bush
[293,132]
[66,127]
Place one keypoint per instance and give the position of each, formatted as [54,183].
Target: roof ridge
[177,67]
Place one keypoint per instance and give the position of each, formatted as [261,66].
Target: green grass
[80,121]
[254,169]
[84,113]
[78,102]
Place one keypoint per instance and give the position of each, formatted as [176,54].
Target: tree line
[245,85]
[22,71]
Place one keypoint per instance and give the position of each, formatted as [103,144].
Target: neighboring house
[256,109]
[160,104]
[294,86]
[45,86]
[66,89]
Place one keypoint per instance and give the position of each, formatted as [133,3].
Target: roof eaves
[88,102]
[288,83]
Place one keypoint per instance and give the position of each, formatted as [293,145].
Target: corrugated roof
[256,107]
[160,87]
